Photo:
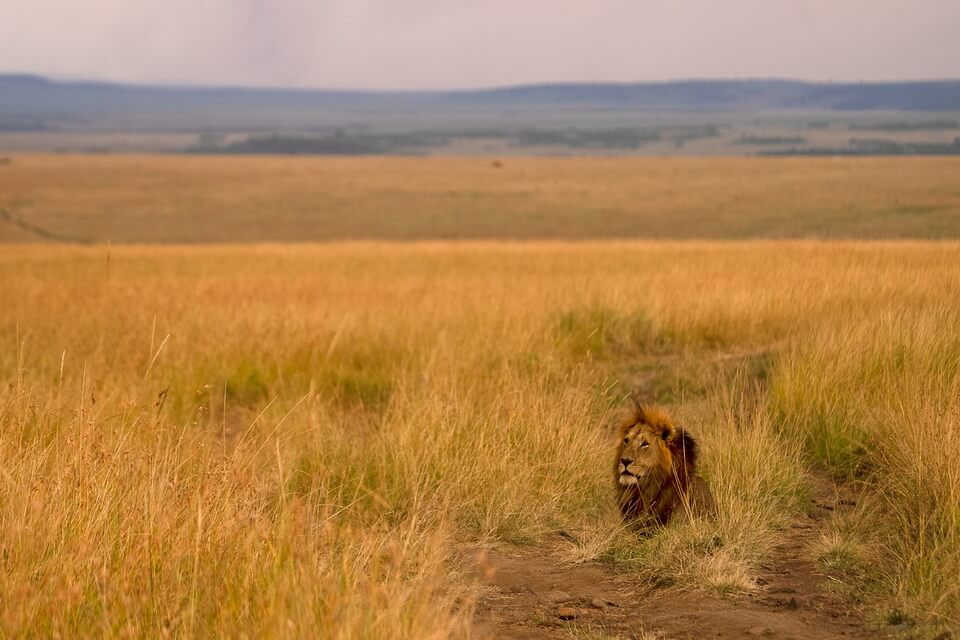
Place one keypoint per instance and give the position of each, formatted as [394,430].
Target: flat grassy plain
[183,199]
[295,440]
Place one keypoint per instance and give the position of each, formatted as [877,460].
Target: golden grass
[130,198]
[292,440]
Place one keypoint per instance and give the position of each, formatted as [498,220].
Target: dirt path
[528,593]
[38,231]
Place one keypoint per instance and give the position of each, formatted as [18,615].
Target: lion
[655,471]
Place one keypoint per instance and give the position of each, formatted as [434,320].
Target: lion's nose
[626,461]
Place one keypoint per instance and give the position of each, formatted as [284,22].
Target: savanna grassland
[295,440]
[184,199]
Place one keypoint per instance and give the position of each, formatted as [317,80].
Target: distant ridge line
[27,92]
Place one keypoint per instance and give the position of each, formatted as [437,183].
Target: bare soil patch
[531,593]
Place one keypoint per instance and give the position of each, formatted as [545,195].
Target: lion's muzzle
[627,479]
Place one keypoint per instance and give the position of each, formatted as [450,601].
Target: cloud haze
[475,43]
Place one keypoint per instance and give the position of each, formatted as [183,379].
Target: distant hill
[731,94]
[32,103]
[692,117]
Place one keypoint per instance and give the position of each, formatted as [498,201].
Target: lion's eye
[645,445]
[626,440]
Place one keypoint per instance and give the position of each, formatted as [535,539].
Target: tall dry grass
[878,400]
[289,441]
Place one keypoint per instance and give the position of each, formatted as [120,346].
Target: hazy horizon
[431,44]
[200,84]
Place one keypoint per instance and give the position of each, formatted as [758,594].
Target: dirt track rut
[530,593]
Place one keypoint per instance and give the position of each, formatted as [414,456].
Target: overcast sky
[476,43]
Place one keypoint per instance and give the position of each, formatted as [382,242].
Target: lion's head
[643,446]
[655,464]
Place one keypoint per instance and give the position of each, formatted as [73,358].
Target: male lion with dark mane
[656,469]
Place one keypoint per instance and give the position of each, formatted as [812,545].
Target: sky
[433,44]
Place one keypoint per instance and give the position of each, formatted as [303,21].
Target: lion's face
[642,450]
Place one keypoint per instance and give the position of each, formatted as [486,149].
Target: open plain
[194,199]
[383,439]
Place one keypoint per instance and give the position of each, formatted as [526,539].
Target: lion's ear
[668,433]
